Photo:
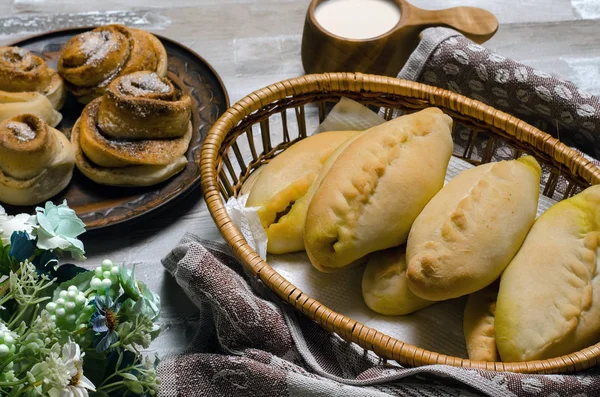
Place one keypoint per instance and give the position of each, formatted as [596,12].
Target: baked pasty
[90,61]
[282,183]
[36,161]
[376,187]
[480,333]
[29,86]
[472,228]
[147,141]
[549,299]
[384,284]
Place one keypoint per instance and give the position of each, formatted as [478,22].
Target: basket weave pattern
[242,140]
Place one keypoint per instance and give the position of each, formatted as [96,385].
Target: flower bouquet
[65,330]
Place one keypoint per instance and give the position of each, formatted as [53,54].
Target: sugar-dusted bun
[472,228]
[384,284]
[480,332]
[142,105]
[376,187]
[36,161]
[90,61]
[133,175]
[150,132]
[280,189]
[107,152]
[29,86]
[549,298]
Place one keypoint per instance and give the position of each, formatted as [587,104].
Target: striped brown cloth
[250,344]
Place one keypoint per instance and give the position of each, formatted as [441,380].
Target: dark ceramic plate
[101,206]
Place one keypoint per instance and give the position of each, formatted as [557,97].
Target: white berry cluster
[70,308]
[106,277]
[7,342]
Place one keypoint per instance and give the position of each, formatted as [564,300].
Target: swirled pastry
[29,86]
[36,161]
[90,61]
[143,106]
[384,284]
[549,299]
[135,152]
[472,228]
[279,190]
[480,333]
[376,187]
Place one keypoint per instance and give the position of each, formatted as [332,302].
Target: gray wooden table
[252,43]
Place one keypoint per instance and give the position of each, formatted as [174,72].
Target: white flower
[59,228]
[55,370]
[18,223]
[74,384]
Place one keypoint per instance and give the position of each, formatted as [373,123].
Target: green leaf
[128,282]
[124,328]
[134,386]
[81,281]
[98,394]
[155,331]
[68,271]
[126,311]
[5,262]
[94,367]
[152,299]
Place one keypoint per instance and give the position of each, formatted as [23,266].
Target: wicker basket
[225,167]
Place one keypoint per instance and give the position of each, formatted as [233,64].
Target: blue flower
[105,321]
[21,246]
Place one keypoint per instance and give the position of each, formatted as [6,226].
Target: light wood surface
[253,43]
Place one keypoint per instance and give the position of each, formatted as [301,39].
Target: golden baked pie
[385,287]
[468,233]
[549,298]
[375,188]
[479,324]
[279,192]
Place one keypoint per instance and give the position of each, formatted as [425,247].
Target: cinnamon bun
[36,160]
[28,85]
[90,61]
[137,134]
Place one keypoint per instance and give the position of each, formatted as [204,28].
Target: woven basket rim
[347,328]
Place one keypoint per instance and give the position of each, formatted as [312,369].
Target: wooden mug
[323,51]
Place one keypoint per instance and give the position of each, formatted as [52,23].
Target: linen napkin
[250,344]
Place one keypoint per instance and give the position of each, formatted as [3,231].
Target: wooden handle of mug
[477,24]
